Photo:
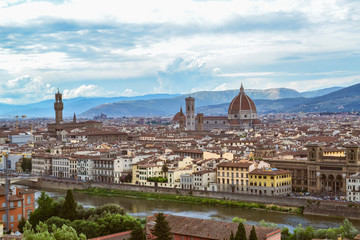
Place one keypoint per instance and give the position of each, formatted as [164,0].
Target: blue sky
[110,48]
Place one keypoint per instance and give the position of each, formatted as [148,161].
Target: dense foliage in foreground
[65,217]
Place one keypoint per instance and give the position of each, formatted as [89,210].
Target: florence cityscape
[184,120]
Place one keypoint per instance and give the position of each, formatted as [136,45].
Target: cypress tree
[231,236]
[241,233]
[253,234]
[162,228]
[68,210]
[137,234]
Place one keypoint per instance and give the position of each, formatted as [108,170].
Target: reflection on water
[143,208]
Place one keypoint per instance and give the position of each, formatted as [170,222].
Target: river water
[143,208]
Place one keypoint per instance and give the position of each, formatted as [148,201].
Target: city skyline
[104,48]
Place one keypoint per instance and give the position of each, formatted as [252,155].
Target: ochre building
[322,170]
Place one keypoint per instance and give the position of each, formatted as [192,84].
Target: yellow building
[270,181]
[233,176]
[141,172]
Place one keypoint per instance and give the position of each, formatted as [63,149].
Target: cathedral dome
[178,115]
[242,103]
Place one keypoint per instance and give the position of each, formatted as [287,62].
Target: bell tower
[190,113]
[58,106]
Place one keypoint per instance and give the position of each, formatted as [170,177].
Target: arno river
[143,208]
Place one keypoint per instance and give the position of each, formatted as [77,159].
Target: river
[143,208]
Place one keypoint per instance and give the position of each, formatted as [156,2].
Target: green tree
[113,223]
[46,209]
[89,228]
[162,229]
[138,234]
[42,233]
[348,230]
[239,220]
[285,234]
[253,235]
[232,236]
[110,208]
[21,224]
[241,233]
[57,221]
[26,164]
[165,169]
[263,223]
[68,210]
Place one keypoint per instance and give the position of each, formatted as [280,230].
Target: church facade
[242,115]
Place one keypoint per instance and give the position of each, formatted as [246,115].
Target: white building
[202,179]
[186,181]
[41,165]
[353,188]
[107,170]
[85,168]
[61,166]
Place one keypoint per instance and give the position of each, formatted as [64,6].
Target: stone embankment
[313,207]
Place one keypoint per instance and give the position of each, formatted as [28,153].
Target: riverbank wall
[311,207]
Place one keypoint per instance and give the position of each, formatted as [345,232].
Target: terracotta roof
[256,121]
[116,236]
[233,164]
[241,102]
[209,229]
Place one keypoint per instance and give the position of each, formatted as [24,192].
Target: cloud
[89,91]
[99,47]
[28,89]
[25,89]
[179,74]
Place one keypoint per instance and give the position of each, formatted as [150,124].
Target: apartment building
[41,165]
[270,181]
[353,188]
[61,166]
[21,204]
[233,176]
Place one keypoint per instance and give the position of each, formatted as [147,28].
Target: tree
[241,233]
[21,224]
[231,236]
[253,234]
[42,233]
[89,228]
[165,169]
[68,210]
[57,221]
[113,223]
[348,230]
[162,228]
[285,234]
[138,234]
[26,164]
[46,209]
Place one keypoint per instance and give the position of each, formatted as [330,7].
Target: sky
[106,48]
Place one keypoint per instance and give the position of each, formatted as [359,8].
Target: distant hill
[71,106]
[345,99]
[209,102]
[320,92]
